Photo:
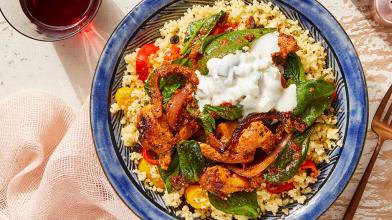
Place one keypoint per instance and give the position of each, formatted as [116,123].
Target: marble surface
[66,68]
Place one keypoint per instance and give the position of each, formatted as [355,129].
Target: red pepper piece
[218,29]
[334,95]
[142,62]
[308,164]
[275,189]
[149,156]
[172,54]
[223,27]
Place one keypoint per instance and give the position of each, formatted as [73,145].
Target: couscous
[232,106]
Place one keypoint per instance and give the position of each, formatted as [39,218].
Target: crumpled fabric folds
[48,165]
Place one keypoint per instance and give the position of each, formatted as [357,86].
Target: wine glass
[49,20]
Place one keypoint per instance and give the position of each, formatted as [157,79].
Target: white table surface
[62,68]
[66,69]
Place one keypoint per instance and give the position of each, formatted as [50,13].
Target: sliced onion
[257,169]
[163,71]
[177,103]
[282,117]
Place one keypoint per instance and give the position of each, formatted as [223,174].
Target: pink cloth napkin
[48,165]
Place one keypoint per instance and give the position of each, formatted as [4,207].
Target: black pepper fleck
[137,147]
[174,39]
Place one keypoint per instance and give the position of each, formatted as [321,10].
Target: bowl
[141,25]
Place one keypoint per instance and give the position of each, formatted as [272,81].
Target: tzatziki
[250,79]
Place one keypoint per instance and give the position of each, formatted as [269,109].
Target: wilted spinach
[208,122]
[191,160]
[233,112]
[187,161]
[293,70]
[229,42]
[287,163]
[172,170]
[167,85]
[313,98]
[239,203]
[198,30]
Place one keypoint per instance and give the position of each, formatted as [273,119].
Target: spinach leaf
[207,41]
[233,112]
[183,62]
[187,162]
[147,87]
[172,170]
[288,161]
[198,30]
[208,122]
[293,69]
[239,203]
[313,98]
[191,160]
[229,42]
[167,85]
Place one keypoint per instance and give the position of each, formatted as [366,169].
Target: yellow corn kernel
[144,166]
[196,197]
[123,97]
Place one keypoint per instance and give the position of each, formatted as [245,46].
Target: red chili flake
[224,42]
[251,23]
[295,147]
[276,189]
[334,95]
[250,37]
[273,170]
[226,104]
[203,31]
[297,155]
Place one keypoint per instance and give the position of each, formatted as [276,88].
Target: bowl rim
[101,140]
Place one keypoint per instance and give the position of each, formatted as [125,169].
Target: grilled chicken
[225,129]
[287,44]
[155,135]
[221,182]
[160,131]
[186,131]
[257,135]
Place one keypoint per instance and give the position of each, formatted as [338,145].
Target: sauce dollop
[250,79]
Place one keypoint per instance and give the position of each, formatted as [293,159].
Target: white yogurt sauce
[247,78]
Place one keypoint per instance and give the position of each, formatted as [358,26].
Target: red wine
[56,12]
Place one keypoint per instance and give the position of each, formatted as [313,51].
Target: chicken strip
[287,44]
[257,135]
[186,131]
[225,129]
[221,182]
[155,135]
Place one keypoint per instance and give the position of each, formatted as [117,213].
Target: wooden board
[374,46]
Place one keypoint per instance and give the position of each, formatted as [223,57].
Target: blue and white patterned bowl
[142,25]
